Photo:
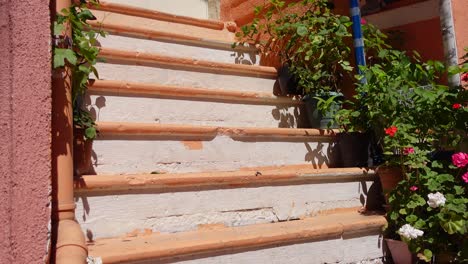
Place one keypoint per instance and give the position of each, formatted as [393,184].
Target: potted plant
[411,116]
[78,53]
[311,44]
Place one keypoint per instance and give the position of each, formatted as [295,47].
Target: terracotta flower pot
[399,251]
[82,152]
[389,178]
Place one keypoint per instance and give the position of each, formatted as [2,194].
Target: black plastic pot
[316,118]
[353,149]
[288,82]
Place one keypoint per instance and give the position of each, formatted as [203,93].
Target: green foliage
[403,92]
[312,41]
[445,227]
[79,53]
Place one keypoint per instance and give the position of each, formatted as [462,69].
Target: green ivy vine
[78,52]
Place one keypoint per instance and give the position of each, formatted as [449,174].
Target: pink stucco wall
[25,124]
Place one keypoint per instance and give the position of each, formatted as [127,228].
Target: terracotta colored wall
[423,36]
[460,18]
[25,107]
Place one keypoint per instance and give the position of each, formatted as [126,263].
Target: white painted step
[211,113]
[236,56]
[178,77]
[141,155]
[190,8]
[117,214]
[343,250]
[147,27]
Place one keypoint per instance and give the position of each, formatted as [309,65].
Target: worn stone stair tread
[249,177]
[153,129]
[145,58]
[116,87]
[164,246]
[158,15]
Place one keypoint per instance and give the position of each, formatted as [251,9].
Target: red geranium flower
[464,77]
[391,131]
[456,106]
[408,151]
[363,21]
[414,188]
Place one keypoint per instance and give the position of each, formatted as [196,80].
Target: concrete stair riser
[180,77]
[210,241]
[187,155]
[154,10]
[166,111]
[342,250]
[151,25]
[237,56]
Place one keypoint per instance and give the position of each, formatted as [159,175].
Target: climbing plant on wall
[78,52]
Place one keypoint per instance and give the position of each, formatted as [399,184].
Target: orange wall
[425,37]
[460,7]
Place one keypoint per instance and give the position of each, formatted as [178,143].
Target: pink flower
[363,21]
[465,177]
[391,131]
[407,151]
[414,188]
[456,106]
[464,77]
[460,159]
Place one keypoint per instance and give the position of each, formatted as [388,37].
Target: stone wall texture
[25,125]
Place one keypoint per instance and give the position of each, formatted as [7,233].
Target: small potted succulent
[311,44]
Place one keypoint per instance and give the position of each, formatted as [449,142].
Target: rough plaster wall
[25,105]
[346,250]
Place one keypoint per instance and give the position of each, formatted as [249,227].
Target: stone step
[135,8]
[154,90]
[198,52]
[167,182]
[157,59]
[337,227]
[139,102]
[189,77]
[186,148]
[145,28]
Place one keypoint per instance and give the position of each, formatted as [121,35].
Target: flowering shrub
[411,118]
[429,209]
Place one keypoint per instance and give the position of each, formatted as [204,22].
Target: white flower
[409,232]
[436,199]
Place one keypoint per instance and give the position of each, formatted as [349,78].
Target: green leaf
[302,30]
[452,227]
[90,133]
[58,29]
[411,218]
[428,254]
[60,55]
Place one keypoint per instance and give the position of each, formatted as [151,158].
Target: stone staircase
[197,161]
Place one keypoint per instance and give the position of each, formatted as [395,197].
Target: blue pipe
[357,33]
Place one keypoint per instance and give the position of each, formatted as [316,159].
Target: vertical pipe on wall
[357,33]
[70,246]
[448,38]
